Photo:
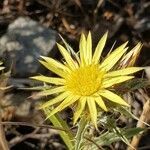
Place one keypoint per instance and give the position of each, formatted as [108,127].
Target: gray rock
[23,44]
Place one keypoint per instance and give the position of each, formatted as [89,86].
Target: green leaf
[110,124]
[129,114]
[108,137]
[57,121]
[132,132]
[132,85]
[113,133]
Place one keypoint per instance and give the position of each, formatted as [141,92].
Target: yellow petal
[101,103]
[89,48]
[113,97]
[82,48]
[99,48]
[67,102]
[67,56]
[79,109]
[51,91]
[52,68]
[55,100]
[52,80]
[114,57]
[123,72]
[55,63]
[112,81]
[93,110]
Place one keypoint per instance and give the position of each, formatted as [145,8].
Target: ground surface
[125,20]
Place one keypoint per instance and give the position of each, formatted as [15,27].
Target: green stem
[67,137]
[80,133]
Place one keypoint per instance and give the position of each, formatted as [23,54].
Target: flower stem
[80,133]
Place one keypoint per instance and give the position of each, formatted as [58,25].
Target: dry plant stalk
[3,141]
[143,118]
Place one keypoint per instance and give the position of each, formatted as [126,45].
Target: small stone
[23,44]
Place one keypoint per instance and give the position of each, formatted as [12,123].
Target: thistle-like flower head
[85,81]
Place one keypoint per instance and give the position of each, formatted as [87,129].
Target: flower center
[85,81]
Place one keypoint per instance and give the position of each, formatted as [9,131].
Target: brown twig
[33,135]
[31,125]
[20,139]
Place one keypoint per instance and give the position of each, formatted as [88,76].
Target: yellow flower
[85,80]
